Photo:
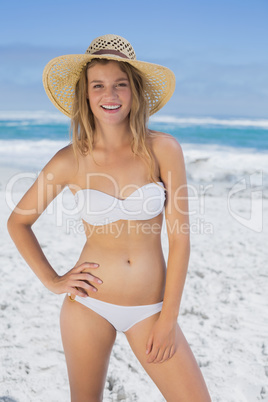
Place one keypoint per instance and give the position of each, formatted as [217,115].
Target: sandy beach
[223,313]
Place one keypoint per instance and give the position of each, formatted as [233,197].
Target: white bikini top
[98,208]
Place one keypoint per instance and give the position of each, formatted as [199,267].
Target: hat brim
[61,74]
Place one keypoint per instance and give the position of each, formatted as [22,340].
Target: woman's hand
[162,342]
[76,281]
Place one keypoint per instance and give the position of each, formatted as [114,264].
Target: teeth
[111,107]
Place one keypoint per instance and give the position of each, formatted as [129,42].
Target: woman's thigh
[179,379]
[87,341]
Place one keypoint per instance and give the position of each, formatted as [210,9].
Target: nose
[110,92]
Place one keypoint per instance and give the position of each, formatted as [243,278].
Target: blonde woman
[123,176]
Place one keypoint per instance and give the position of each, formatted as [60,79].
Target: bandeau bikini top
[98,208]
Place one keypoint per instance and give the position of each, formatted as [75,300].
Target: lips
[111,107]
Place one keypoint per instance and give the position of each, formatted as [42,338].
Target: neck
[111,138]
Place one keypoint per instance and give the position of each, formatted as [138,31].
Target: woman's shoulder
[164,144]
[169,155]
[63,157]
[65,154]
[63,162]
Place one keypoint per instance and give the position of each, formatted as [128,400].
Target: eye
[97,86]
[122,84]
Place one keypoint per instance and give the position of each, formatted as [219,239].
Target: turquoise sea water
[217,151]
[237,137]
[235,133]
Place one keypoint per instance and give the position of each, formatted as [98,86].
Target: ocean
[218,152]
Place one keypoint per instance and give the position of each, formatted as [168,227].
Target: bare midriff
[131,261]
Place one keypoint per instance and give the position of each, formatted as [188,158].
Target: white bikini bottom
[122,318]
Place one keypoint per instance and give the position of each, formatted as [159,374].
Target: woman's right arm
[58,173]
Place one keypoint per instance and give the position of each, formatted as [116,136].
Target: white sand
[223,313]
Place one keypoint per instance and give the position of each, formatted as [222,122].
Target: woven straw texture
[62,73]
[112,42]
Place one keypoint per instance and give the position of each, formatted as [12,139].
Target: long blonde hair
[82,121]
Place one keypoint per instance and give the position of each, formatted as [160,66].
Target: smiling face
[109,93]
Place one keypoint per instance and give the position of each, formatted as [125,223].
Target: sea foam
[210,121]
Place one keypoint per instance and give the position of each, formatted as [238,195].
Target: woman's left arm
[161,343]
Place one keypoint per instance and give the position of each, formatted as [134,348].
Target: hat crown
[114,43]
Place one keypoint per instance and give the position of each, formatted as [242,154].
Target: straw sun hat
[62,73]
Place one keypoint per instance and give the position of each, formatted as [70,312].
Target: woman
[122,176]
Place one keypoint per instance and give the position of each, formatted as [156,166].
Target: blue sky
[216,48]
